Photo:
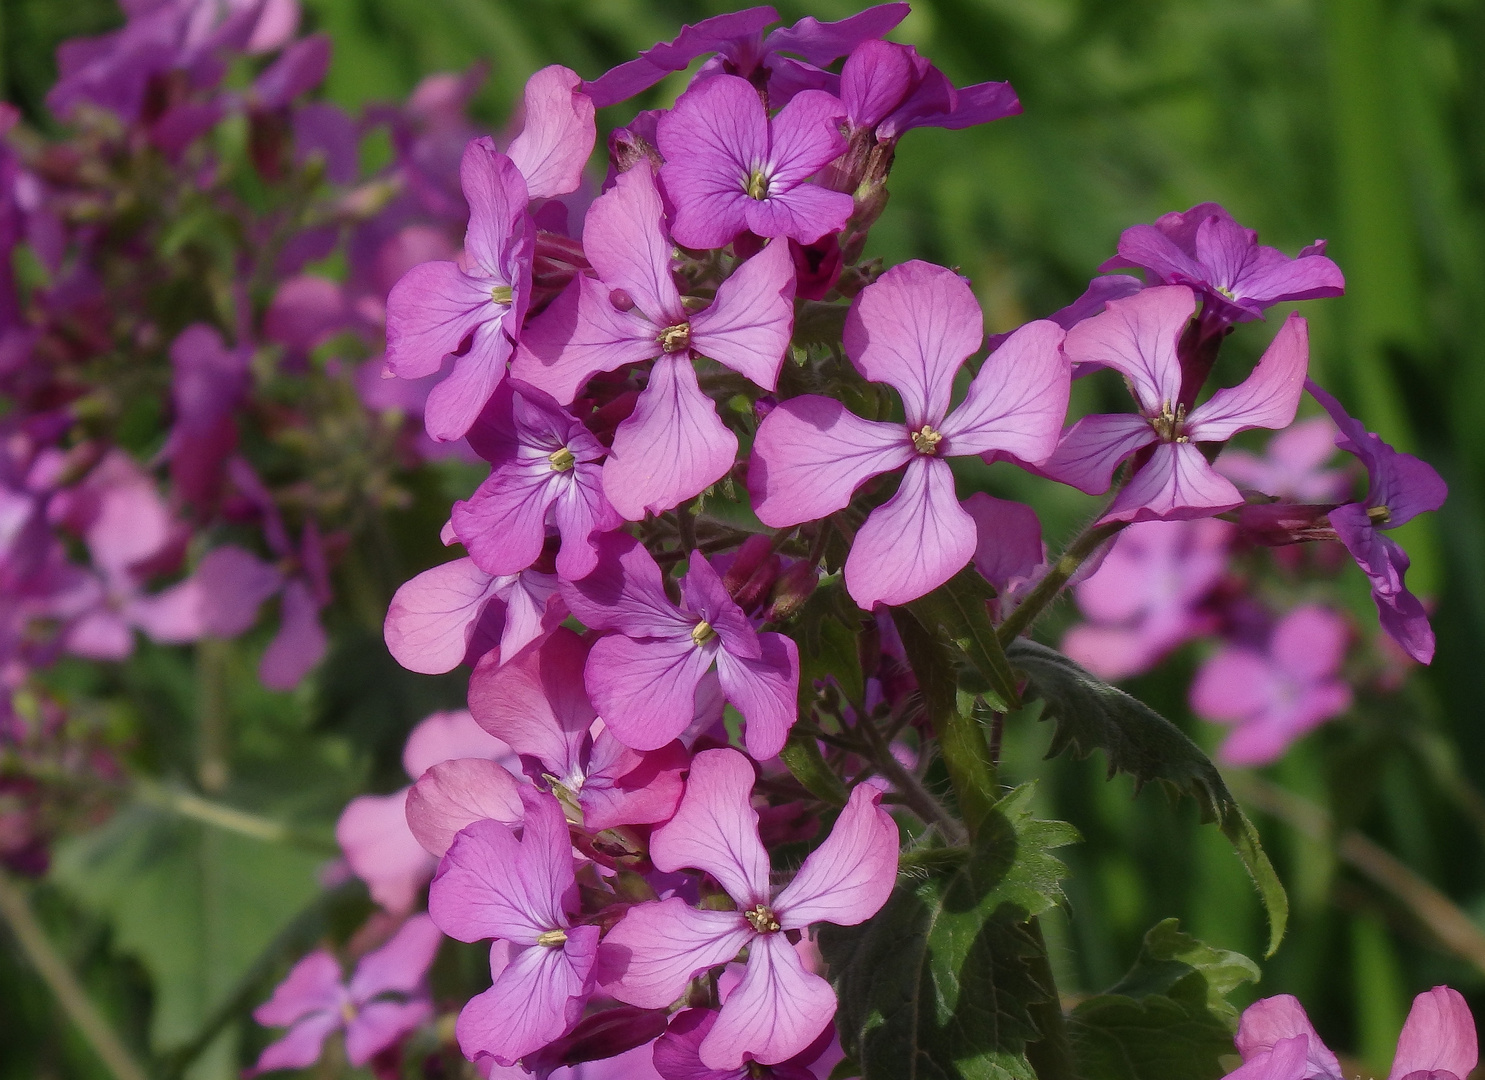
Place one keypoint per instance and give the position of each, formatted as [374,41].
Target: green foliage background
[1356,120]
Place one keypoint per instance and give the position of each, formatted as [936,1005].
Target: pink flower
[643,677]
[386,998]
[779,1009]
[1292,467]
[1009,553]
[678,1054]
[1143,600]
[889,89]
[491,885]
[729,168]
[1277,694]
[1278,1042]
[208,383]
[912,329]
[1137,337]
[673,445]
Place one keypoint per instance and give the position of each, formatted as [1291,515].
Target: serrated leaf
[1093,715]
[1169,956]
[958,609]
[939,984]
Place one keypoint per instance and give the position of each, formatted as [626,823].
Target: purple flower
[911,329]
[537,704]
[643,677]
[1278,1042]
[491,885]
[779,1009]
[1137,337]
[1293,465]
[678,1054]
[890,89]
[209,382]
[438,305]
[557,134]
[387,997]
[456,612]
[1276,695]
[1400,487]
[1009,553]
[544,466]
[743,50]
[1209,251]
[728,167]
[1144,599]
[673,445]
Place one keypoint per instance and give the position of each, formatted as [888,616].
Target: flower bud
[790,592]
[1277,524]
[603,1035]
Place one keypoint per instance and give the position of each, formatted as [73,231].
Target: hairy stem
[914,795]
[63,984]
[1057,578]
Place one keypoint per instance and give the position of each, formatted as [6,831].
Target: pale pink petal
[777,1010]
[453,794]
[1288,1060]
[1175,483]
[624,787]
[1017,402]
[1110,652]
[912,328]
[673,446]
[748,326]
[430,312]
[1233,685]
[812,453]
[447,736]
[1310,642]
[300,1048]
[646,690]
[1137,337]
[765,691]
[536,703]
[848,878]
[400,965]
[579,335]
[716,828]
[491,886]
[558,134]
[626,593]
[535,999]
[312,985]
[534,608]
[300,643]
[1439,1037]
[624,238]
[456,402]
[1008,539]
[912,543]
[432,617]
[1268,1021]
[650,956]
[1267,398]
[380,1024]
[382,851]
[99,635]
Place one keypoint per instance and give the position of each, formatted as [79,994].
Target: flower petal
[503,524]
[300,643]
[803,138]
[626,593]
[804,213]
[625,787]
[748,326]
[1137,336]
[775,1012]
[765,690]
[312,985]
[497,195]
[651,954]
[1176,482]
[707,598]
[1018,400]
[536,703]
[580,334]
[1008,539]
[456,402]
[380,1024]
[655,63]
[711,141]
[557,136]
[912,328]
[848,878]
[812,453]
[401,964]
[646,690]
[1439,1037]
[624,238]
[432,617]
[1267,1022]
[912,543]
[301,1047]
[382,851]
[1269,397]
[453,794]
[716,828]
[430,311]
[535,999]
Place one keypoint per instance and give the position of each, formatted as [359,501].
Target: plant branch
[914,795]
[229,818]
[63,983]
[1057,578]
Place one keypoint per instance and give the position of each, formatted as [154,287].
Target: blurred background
[1359,121]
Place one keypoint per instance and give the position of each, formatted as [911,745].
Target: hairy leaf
[1169,956]
[1092,715]
[802,756]
[957,608]
[938,985]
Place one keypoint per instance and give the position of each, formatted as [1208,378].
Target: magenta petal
[823,42]
[624,238]
[876,78]
[1137,337]
[382,851]
[655,63]
[445,736]
[453,794]
[1147,247]
[1310,642]
[775,1012]
[300,643]
[401,964]
[534,608]
[433,616]
[1439,1037]
[765,691]
[503,524]
[716,828]
[1088,452]
[497,196]
[848,878]
[1176,482]
[456,402]
[582,512]
[650,956]
[535,999]
[1267,1022]
[625,787]
[1288,1060]
[672,447]
[1008,539]
[912,543]
[430,312]
[711,141]
[301,1047]
[536,702]
[804,213]
[312,985]
[1017,402]
[380,1024]
[812,453]
[626,593]
[912,328]
[1233,685]
[749,324]
[1268,397]
[233,583]
[579,335]
[707,598]
[557,136]
[646,690]
[804,138]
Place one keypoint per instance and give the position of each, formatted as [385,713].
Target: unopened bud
[600,1036]
[1278,524]
[793,588]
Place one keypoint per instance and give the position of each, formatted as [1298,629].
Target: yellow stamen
[552,938]
[561,459]
[757,185]
[501,294]
[1169,424]
[701,633]
[675,338]
[926,440]
[762,919]
[1379,515]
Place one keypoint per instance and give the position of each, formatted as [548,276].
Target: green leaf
[802,755]
[957,608]
[827,646]
[1168,1018]
[1138,741]
[939,984]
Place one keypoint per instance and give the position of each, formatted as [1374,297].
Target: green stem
[228,818]
[63,983]
[211,749]
[1057,577]
[1051,1055]
[914,795]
